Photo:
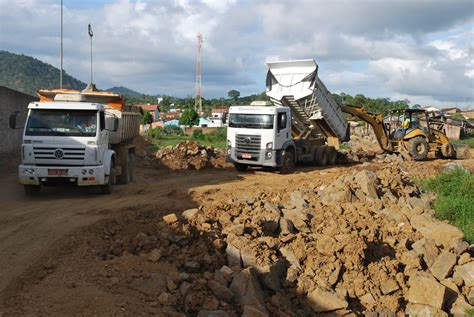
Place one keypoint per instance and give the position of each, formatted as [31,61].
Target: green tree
[189,118]
[147,117]
[234,94]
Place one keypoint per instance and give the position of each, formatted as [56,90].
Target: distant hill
[28,74]
[125,91]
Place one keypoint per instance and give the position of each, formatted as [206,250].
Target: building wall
[453,132]
[11,101]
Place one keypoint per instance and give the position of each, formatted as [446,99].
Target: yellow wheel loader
[410,132]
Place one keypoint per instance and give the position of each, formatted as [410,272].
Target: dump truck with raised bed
[302,123]
[79,137]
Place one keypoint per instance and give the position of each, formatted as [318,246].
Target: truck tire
[132,160]
[321,156]
[288,163]
[240,167]
[126,169]
[332,155]
[109,187]
[31,190]
[447,150]
[418,148]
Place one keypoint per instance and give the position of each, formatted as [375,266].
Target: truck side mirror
[282,121]
[115,124]
[13,120]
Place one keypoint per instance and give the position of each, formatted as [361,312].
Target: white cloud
[415,49]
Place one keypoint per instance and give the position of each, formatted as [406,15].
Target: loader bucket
[462,151]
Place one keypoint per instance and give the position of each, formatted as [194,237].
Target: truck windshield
[252,121]
[62,123]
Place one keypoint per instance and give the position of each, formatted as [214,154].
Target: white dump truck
[79,137]
[302,123]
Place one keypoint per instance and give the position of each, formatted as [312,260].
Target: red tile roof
[149,107]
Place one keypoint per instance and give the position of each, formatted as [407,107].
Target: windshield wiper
[47,128]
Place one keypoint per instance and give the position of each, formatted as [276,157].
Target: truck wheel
[109,187]
[31,190]
[288,163]
[447,150]
[240,167]
[418,148]
[332,155]
[321,156]
[131,158]
[126,169]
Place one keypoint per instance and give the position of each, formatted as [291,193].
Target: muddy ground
[74,252]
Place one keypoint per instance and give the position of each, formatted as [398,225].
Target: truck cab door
[283,124]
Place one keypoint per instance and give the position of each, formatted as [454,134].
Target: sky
[400,49]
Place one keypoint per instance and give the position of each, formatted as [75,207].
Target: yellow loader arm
[376,121]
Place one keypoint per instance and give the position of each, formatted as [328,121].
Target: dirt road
[59,225]
[29,226]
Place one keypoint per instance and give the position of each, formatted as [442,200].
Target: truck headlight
[229,144]
[269,145]
[29,171]
[84,172]
[91,171]
[268,155]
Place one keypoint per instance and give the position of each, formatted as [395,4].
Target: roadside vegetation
[172,135]
[455,190]
[469,141]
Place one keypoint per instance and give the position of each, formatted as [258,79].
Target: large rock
[443,233]
[247,290]
[220,291]
[466,272]
[420,310]
[367,182]
[325,300]
[460,307]
[443,265]
[426,290]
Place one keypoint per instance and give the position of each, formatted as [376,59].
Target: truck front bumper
[80,175]
[274,159]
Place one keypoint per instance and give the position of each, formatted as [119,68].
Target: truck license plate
[57,172]
[246,155]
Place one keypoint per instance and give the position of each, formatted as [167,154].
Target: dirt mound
[142,146]
[365,243]
[191,155]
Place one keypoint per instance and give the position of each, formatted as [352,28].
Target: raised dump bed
[296,84]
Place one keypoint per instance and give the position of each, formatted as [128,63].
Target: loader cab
[401,123]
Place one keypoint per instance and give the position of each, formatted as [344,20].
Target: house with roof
[451,110]
[154,110]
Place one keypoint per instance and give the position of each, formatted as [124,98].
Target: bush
[172,129]
[198,135]
[455,189]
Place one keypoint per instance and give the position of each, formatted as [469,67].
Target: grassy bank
[171,136]
[455,190]
[469,141]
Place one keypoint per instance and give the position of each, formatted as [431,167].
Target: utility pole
[91,34]
[198,99]
[61,71]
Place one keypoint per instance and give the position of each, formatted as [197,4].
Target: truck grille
[55,153]
[248,144]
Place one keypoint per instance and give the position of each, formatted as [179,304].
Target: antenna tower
[198,99]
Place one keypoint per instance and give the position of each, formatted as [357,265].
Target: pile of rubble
[190,155]
[365,244]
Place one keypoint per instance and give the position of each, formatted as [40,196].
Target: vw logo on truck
[59,154]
